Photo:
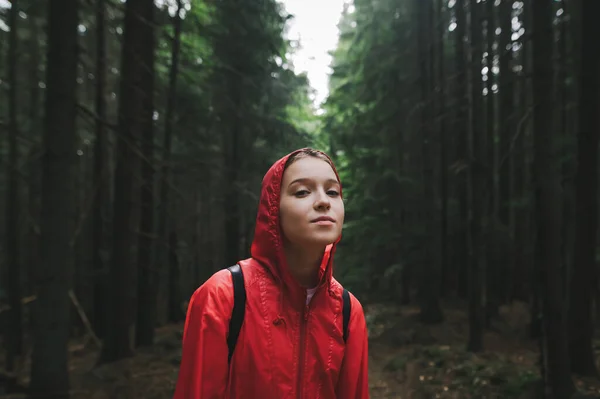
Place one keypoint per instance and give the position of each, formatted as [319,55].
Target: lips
[323,219]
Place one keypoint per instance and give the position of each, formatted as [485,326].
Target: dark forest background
[135,136]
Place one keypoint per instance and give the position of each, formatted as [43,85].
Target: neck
[304,265]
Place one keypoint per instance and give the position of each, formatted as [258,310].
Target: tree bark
[547,177]
[581,326]
[118,343]
[14,334]
[49,371]
[100,177]
[462,126]
[147,270]
[443,170]
[429,282]
[163,209]
[476,190]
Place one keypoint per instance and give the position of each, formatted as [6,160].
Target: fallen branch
[84,319]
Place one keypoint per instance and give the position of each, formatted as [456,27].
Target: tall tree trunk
[547,177]
[462,127]
[166,155]
[476,190]
[118,343]
[506,129]
[176,313]
[495,270]
[568,151]
[429,281]
[441,76]
[33,157]
[49,370]
[101,172]
[14,334]
[147,275]
[197,242]
[506,80]
[586,180]
[232,171]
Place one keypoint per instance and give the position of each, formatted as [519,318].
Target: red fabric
[285,349]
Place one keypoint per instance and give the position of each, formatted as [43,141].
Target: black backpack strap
[346,310]
[239,307]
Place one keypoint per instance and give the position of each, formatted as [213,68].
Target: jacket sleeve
[204,368]
[354,375]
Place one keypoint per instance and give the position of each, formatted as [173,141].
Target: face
[311,208]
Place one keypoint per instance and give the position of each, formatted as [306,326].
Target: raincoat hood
[267,246]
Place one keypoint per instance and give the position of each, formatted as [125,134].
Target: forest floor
[408,360]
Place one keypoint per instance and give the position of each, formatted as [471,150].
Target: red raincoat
[286,349]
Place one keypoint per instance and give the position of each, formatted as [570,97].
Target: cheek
[340,210]
[288,215]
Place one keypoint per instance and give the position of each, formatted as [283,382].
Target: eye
[301,193]
[333,193]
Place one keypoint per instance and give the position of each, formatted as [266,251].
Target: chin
[324,240]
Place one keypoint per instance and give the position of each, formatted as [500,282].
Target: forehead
[309,168]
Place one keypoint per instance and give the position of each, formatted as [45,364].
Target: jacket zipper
[303,322]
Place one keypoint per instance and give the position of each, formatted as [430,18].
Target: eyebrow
[306,179]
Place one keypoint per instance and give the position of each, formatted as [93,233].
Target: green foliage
[250,77]
[396,364]
[441,371]
[233,66]
[368,120]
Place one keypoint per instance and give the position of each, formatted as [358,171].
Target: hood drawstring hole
[278,321]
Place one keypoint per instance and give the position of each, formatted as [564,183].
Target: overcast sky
[315,23]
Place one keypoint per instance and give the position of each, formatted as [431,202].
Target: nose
[322,202]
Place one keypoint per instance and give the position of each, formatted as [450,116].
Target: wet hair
[305,153]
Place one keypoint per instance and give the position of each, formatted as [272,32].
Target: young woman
[291,343]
